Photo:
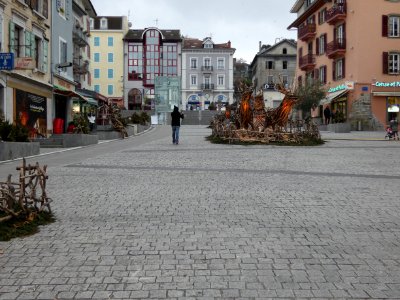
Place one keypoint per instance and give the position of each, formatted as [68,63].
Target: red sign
[25,63]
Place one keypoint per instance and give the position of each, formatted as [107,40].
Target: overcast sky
[243,22]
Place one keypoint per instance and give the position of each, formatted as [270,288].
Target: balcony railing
[306,32]
[207,86]
[307,62]
[79,37]
[337,13]
[336,48]
[80,66]
[207,68]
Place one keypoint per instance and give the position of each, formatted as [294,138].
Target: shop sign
[348,85]
[387,84]
[6,61]
[25,63]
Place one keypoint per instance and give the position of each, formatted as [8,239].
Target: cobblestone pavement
[206,221]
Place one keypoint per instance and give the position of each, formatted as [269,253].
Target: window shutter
[317,46]
[334,70]
[325,42]
[319,18]
[343,67]
[89,78]
[33,4]
[385,62]
[316,74]
[325,72]
[385,25]
[12,37]
[28,52]
[32,44]
[45,55]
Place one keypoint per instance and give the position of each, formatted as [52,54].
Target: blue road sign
[6,61]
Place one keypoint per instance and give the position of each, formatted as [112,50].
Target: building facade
[25,83]
[107,68]
[358,67]
[274,65]
[149,53]
[207,73]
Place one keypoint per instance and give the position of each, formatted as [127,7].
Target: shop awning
[69,93]
[332,96]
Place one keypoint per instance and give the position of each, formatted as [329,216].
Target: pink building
[353,48]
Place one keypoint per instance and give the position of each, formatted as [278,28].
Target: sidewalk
[354,135]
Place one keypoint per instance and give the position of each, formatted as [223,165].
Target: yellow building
[107,67]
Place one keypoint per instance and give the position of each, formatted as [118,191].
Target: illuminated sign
[393,108]
[348,85]
[387,84]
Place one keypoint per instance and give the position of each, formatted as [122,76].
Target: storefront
[31,104]
[337,99]
[386,101]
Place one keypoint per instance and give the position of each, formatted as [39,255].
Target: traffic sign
[6,61]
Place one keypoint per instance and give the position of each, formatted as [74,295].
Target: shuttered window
[394,23]
[394,59]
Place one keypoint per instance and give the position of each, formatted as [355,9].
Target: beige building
[25,83]
[107,65]
[353,48]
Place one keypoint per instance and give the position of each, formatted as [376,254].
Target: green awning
[69,93]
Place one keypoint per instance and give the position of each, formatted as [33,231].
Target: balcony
[79,37]
[307,32]
[337,48]
[206,69]
[337,13]
[80,66]
[307,62]
[207,86]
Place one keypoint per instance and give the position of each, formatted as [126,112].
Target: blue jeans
[175,134]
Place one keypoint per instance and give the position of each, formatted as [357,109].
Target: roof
[265,51]
[136,35]
[193,43]
[113,22]
[317,4]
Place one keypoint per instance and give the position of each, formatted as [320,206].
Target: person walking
[327,115]
[394,125]
[176,123]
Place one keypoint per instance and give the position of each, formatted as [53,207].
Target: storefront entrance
[393,108]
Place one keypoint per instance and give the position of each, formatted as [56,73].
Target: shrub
[212,106]
[135,119]
[145,118]
[13,132]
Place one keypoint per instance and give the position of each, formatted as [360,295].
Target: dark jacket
[176,117]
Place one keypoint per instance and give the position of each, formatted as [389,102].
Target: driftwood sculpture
[252,122]
[245,111]
[279,116]
[26,197]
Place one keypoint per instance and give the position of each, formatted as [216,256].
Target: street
[142,218]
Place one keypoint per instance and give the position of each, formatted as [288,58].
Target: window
[110,73]
[221,63]
[96,73]
[338,69]
[60,5]
[394,59]
[110,41]
[394,26]
[193,80]
[322,16]
[284,51]
[63,51]
[221,80]
[193,63]
[91,22]
[110,57]
[284,65]
[97,88]
[103,23]
[321,44]
[322,74]
[97,41]
[37,51]
[270,65]
[207,62]
[97,57]
[16,37]
[208,45]
[285,80]
[270,79]
[309,2]
[110,89]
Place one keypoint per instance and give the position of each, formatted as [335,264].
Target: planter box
[76,139]
[12,150]
[107,132]
[339,127]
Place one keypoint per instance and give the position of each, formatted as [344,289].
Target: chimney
[259,46]
[229,44]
